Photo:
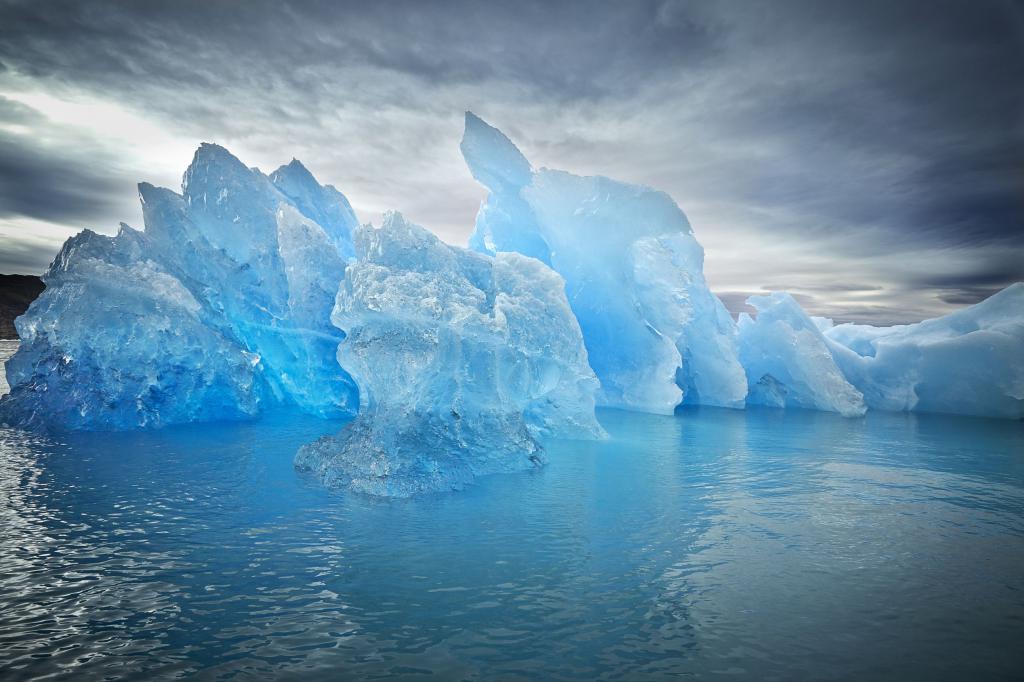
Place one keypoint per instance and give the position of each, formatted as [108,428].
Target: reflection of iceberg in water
[712,540]
[165,523]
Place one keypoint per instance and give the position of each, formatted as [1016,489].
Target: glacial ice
[462,361]
[967,362]
[655,333]
[788,362]
[88,345]
[220,306]
[240,291]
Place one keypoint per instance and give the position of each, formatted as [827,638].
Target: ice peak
[148,192]
[295,171]
[493,159]
[394,220]
[396,240]
[212,165]
[324,204]
[209,153]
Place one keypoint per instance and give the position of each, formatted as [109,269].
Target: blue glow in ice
[223,306]
[655,333]
[220,306]
[462,360]
[788,362]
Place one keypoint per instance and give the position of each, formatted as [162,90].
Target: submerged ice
[220,306]
[633,271]
[462,360]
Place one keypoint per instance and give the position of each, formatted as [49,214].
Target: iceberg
[64,372]
[463,362]
[967,362]
[788,362]
[220,307]
[655,334]
[246,291]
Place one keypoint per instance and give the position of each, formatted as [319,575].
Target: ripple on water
[759,544]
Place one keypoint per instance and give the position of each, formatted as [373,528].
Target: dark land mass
[16,294]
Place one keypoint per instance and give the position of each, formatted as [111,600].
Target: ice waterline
[248,291]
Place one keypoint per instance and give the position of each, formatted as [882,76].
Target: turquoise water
[714,544]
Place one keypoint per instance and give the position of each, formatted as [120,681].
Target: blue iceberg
[656,335]
[98,354]
[463,362]
[220,307]
[788,362]
[968,362]
[248,290]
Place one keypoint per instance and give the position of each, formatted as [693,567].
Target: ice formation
[655,333]
[462,360]
[220,306]
[788,362]
[968,362]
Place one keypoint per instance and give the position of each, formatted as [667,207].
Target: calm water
[714,544]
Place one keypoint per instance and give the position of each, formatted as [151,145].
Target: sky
[866,156]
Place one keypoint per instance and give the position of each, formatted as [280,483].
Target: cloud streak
[872,143]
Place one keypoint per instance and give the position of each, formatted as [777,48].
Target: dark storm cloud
[969,296]
[48,185]
[565,49]
[869,129]
[825,287]
[904,115]
[997,272]
[54,183]
[26,255]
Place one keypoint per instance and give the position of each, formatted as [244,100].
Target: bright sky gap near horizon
[868,157]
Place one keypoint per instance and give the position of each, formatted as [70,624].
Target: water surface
[715,544]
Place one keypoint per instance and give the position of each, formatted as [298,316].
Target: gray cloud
[54,186]
[16,113]
[48,174]
[969,296]
[887,135]
[562,48]
[26,255]
[824,287]
[997,271]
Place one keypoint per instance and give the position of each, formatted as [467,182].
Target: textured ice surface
[655,333]
[462,361]
[967,362]
[788,362]
[95,352]
[221,305]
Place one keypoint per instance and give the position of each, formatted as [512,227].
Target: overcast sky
[866,156]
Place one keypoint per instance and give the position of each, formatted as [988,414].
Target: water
[714,544]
